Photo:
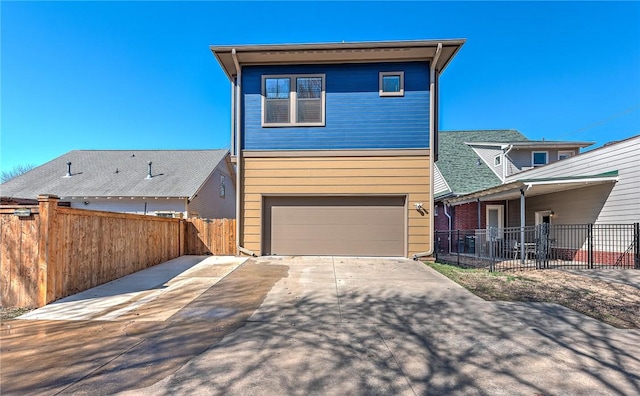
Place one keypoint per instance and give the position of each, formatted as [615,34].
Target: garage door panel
[373,226]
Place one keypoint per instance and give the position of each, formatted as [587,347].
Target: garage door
[341,226]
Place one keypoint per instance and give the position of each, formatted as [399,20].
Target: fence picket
[85,248]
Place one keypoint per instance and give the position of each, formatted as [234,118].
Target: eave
[351,52]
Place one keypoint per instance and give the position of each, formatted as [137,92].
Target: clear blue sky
[120,75]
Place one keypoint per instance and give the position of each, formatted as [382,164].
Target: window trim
[570,152]
[392,73]
[533,153]
[500,209]
[499,160]
[293,101]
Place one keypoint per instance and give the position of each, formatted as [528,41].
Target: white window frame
[568,153]
[497,160]
[533,154]
[541,214]
[396,73]
[293,101]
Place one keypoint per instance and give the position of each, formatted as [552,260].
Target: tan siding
[337,176]
[208,204]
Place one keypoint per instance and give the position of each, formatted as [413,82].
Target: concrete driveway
[309,325]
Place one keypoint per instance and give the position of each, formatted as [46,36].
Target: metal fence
[580,246]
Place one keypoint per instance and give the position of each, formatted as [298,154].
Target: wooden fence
[55,251]
[215,236]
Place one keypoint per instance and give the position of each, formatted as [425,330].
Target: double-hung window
[293,100]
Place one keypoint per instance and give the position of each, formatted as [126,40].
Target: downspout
[504,162]
[449,221]
[233,118]
[433,75]
[239,191]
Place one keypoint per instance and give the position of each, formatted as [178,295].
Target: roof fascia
[220,52]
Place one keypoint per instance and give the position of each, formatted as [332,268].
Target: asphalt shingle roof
[118,173]
[458,163]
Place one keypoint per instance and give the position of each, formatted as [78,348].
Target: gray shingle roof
[459,163]
[121,173]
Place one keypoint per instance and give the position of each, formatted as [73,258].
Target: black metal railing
[543,246]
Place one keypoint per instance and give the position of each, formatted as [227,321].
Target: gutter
[433,75]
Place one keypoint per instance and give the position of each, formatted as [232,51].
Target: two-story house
[334,145]
[475,160]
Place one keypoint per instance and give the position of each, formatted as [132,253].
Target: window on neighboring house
[497,160]
[222,188]
[165,214]
[391,83]
[539,158]
[565,154]
[294,100]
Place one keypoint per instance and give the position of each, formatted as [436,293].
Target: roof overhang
[352,52]
[533,187]
[532,144]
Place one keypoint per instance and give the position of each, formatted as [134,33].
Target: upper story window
[565,154]
[539,158]
[391,83]
[293,100]
[497,160]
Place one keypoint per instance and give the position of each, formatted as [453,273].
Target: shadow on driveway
[328,326]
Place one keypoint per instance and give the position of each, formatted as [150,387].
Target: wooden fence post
[181,239]
[47,247]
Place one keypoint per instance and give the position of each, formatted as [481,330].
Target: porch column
[479,213]
[522,249]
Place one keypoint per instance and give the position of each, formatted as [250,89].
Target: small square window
[497,160]
[539,158]
[391,83]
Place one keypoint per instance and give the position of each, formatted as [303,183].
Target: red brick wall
[465,216]
[441,222]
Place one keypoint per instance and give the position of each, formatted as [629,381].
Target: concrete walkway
[313,325]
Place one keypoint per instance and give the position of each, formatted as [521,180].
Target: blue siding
[356,116]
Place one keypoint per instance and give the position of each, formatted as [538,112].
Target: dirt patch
[12,313]
[610,302]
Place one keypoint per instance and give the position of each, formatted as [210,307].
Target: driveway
[310,325]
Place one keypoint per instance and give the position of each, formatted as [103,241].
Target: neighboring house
[472,161]
[334,145]
[170,183]
[601,186]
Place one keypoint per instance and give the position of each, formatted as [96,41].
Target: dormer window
[539,158]
[293,100]
[565,154]
[391,83]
